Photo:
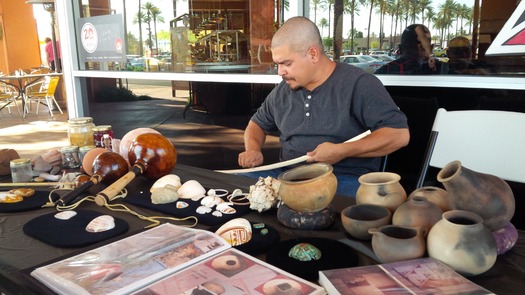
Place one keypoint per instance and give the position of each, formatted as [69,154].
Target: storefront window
[233,36]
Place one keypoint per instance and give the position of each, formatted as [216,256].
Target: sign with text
[101,38]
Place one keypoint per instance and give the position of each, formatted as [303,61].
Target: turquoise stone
[305,252]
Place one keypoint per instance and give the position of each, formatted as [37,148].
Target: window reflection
[233,36]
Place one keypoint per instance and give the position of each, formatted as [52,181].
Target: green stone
[304,252]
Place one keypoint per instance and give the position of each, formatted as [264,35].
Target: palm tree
[148,18]
[316,3]
[372,4]
[351,7]
[155,14]
[323,23]
[138,19]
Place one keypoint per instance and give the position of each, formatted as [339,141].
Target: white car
[365,62]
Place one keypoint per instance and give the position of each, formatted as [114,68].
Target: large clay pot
[484,194]
[381,188]
[308,188]
[434,195]
[417,212]
[461,241]
[358,219]
[393,243]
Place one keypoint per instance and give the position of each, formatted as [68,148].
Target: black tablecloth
[21,253]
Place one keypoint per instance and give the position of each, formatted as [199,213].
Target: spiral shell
[164,195]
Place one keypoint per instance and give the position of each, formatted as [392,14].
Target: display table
[21,253]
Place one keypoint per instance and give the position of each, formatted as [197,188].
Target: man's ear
[313,53]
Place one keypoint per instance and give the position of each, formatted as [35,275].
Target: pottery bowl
[308,188]
[358,219]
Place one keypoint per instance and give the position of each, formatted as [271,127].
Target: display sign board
[101,38]
[511,38]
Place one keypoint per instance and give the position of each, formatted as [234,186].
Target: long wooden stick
[285,163]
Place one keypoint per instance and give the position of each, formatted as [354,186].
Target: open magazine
[192,259]
[417,276]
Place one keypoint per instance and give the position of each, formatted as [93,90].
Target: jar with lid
[99,132]
[70,157]
[21,170]
[82,151]
[80,131]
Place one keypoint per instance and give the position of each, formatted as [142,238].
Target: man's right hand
[250,159]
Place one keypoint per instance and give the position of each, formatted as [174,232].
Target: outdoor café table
[22,82]
[21,253]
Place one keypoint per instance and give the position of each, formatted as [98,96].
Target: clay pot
[308,188]
[393,243]
[417,212]
[461,241]
[434,195]
[381,188]
[358,219]
[484,194]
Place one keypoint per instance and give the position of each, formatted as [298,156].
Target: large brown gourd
[152,155]
[108,167]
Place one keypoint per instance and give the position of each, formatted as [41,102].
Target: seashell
[211,201]
[236,232]
[164,195]
[170,179]
[100,224]
[305,252]
[65,215]
[211,192]
[237,192]
[6,197]
[181,204]
[225,208]
[216,213]
[24,192]
[191,189]
[203,210]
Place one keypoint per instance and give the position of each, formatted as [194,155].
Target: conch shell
[236,232]
[170,179]
[164,195]
[192,189]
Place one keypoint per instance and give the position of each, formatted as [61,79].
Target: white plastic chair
[491,142]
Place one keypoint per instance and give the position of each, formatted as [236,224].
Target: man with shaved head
[318,106]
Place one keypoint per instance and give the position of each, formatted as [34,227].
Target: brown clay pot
[434,195]
[484,194]
[417,212]
[381,188]
[393,243]
[308,188]
[461,241]
[358,219]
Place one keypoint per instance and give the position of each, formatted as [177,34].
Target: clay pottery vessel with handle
[434,195]
[393,243]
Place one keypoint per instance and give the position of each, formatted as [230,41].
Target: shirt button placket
[307,106]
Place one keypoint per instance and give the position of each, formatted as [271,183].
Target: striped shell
[164,195]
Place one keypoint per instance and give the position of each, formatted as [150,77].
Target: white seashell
[236,232]
[203,210]
[191,189]
[210,201]
[237,192]
[216,213]
[170,179]
[100,224]
[164,195]
[225,208]
[65,215]
[181,204]
[211,192]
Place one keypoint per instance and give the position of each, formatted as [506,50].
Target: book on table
[417,276]
[185,259]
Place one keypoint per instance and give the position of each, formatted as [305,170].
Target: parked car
[383,57]
[364,62]
[378,52]
[439,52]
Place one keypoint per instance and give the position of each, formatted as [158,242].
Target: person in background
[320,104]
[49,53]
[459,53]
[416,55]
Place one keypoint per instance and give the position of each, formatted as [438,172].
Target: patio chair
[8,96]
[44,90]
[485,141]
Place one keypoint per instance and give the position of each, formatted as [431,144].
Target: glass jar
[82,151]
[98,134]
[80,131]
[21,170]
[70,157]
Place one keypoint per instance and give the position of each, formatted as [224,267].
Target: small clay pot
[417,212]
[393,243]
[434,195]
[308,188]
[381,188]
[358,219]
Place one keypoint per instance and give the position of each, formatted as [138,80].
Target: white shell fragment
[100,224]
[65,215]
[211,201]
[216,213]
[225,208]
[192,189]
[164,195]
[170,179]
[181,204]
[236,232]
[203,210]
